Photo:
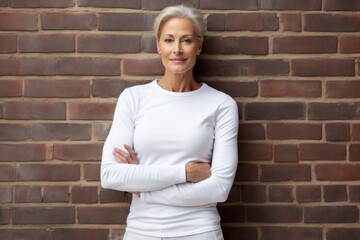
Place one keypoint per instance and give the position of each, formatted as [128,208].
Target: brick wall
[292,66]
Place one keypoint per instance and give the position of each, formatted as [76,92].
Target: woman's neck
[179,82]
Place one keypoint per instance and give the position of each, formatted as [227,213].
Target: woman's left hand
[128,157]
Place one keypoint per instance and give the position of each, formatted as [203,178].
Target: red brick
[84,194]
[354,193]
[67,21]
[8,43]
[354,152]
[291,22]
[112,88]
[255,67]
[4,215]
[290,4]
[102,215]
[94,66]
[247,173]
[343,89]
[78,152]
[317,22]
[6,194]
[234,195]
[337,172]
[18,21]
[308,193]
[322,151]
[216,22]
[347,233]
[236,45]
[44,215]
[295,88]
[337,131]
[143,67]
[274,111]
[4,3]
[335,193]
[236,233]
[285,153]
[60,131]
[23,233]
[91,111]
[11,88]
[41,66]
[110,3]
[159,4]
[126,21]
[113,196]
[47,43]
[285,172]
[229,5]
[332,111]
[14,132]
[48,172]
[286,233]
[305,44]
[56,194]
[349,44]
[148,44]
[116,234]
[283,131]
[331,214]
[79,233]
[323,67]
[108,43]
[356,132]
[57,88]
[92,172]
[22,152]
[340,5]
[7,173]
[251,131]
[35,110]
[253,193]
[255,152]
[207,67]
[236,89]
[101,131]
[28,194]
[231,214]
[42,4]
[274,214]
[251,22]
[281,193]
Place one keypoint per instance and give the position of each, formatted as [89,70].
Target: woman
[173,142]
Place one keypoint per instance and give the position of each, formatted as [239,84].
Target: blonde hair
[194,15]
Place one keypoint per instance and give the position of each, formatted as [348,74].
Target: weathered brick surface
[292,67]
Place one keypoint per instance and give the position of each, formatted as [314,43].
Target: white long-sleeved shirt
[168,130]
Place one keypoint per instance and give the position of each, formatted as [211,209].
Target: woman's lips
[178,60]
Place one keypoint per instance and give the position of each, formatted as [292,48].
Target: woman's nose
[177,48]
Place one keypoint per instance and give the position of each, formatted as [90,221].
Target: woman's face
[178,45]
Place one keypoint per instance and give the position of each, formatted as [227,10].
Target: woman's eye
[167,40]
[187,40]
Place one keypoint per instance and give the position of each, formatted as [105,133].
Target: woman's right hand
[198,171]
[128,157]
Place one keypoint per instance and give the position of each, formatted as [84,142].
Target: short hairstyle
[194,15]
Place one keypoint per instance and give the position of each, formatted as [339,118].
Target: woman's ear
[199,49]
[157,46]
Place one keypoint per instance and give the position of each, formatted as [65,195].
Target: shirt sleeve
[223,167]
[129,177]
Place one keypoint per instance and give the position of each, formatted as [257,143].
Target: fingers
[132,154]
[122,156]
